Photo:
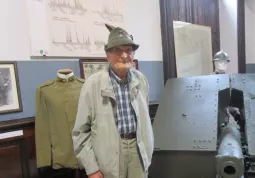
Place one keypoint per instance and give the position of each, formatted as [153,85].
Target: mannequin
[56,105]
[220,61]
[65,73]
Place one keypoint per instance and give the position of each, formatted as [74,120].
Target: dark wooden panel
[31,154]
[153,110]
[201,12]
[26,142]
[241,36]
[169,63]
[16,124]
[25,156]
[27,132]
[10,162]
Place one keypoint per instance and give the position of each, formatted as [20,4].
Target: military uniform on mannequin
[220,61]
[56,108]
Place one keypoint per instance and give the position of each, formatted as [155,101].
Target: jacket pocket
[104,142]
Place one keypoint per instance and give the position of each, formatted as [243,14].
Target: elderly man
[113,136]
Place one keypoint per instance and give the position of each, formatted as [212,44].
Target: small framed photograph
[91,66]
[10,100]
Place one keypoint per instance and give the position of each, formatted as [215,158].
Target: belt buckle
[126,136]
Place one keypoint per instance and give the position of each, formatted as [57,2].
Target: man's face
[121,58]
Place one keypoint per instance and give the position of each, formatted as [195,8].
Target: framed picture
[9,88]
[91,66]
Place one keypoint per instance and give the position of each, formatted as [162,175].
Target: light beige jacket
[96,139]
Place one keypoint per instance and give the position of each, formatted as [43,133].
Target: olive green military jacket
[56,108]
[96,139]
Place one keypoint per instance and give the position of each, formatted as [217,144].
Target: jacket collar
[107,88]
[65,78]
[116,78]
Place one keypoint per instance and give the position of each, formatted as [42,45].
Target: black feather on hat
[109,27]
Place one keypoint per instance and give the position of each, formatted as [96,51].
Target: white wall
[143,24]
[249,30]
[228,32]
[14,35]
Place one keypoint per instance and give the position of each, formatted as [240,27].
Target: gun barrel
[229,159]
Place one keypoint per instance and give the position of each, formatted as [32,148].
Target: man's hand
[97,174]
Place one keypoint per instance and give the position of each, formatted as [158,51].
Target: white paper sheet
[11,134]
[193,49]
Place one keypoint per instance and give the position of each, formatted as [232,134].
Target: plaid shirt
[126,120]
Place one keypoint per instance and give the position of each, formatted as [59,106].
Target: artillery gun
[205,128]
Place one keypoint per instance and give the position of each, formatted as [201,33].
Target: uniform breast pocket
[71,109]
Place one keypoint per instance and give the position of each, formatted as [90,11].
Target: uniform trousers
[132,162]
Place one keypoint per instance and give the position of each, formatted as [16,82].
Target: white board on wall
[193,49]
[72,28]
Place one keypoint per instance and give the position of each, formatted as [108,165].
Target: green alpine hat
[119,37]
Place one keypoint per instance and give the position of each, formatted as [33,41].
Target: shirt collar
[116,78]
